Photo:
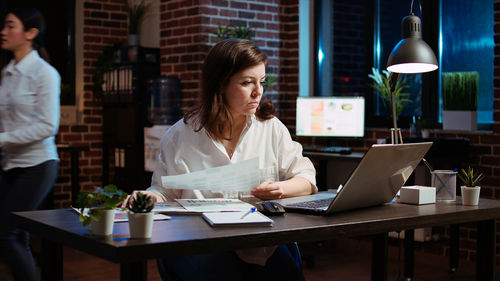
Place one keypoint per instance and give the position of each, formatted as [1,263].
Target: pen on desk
[247,213]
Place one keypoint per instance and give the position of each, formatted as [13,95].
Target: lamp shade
[411,54]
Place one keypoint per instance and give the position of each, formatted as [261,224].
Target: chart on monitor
[330,116]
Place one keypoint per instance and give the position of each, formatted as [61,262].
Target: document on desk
[172,208]
[241,176]
[214,205]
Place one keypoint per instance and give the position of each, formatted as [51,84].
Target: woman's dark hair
[224,60]
[32,18]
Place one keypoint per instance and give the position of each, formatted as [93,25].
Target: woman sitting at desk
[231,124]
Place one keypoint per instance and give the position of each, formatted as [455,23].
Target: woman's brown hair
[225,59]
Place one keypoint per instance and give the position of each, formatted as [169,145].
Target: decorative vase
[104,226]
[470,195]
[140,225]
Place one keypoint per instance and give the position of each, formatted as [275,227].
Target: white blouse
[184,151]
[29,112]
[280,158]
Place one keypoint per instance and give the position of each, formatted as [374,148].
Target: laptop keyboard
[316,204]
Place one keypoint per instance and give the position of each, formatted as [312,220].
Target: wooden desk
[191,235]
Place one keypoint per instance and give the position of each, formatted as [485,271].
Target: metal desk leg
[485,260]
[134,271]
[51,261]
[454,246]
[409,254]
[379,257]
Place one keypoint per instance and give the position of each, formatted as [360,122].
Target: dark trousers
[284,264]
[22,189]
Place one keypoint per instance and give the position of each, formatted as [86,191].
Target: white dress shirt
[184,151]
[29,112]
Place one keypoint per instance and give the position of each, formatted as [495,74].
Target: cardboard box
[417,195]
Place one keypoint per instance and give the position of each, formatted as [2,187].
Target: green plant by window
[460,90]
[382,86]
[102,198]
[470,177]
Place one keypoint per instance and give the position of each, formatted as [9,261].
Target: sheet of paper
[215,205]
[241,176]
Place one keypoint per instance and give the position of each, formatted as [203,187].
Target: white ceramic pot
[140,225]
[104,226]
[470,195]
[459,120]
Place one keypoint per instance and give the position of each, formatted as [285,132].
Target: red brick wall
[105,22]
[289,61]
[186,34]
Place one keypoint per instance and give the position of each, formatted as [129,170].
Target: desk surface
[191,234]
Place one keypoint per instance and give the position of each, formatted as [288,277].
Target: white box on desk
[417,194]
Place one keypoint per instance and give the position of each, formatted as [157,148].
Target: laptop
[382,171]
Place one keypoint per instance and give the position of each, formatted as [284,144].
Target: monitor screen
[330,116]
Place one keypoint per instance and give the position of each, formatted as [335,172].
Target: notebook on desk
[378,177]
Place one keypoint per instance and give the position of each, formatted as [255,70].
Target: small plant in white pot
[97,208]
[471,189]
[140,216]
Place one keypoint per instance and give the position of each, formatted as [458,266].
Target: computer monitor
[330,116]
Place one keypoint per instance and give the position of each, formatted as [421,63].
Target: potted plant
[383,88]
[471,189]
[460,91]
[140,216]
[136,12]
[97,208]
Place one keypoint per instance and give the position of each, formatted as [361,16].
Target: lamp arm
[393,78]
[394,122]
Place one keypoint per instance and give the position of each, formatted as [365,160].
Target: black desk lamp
[410,55]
